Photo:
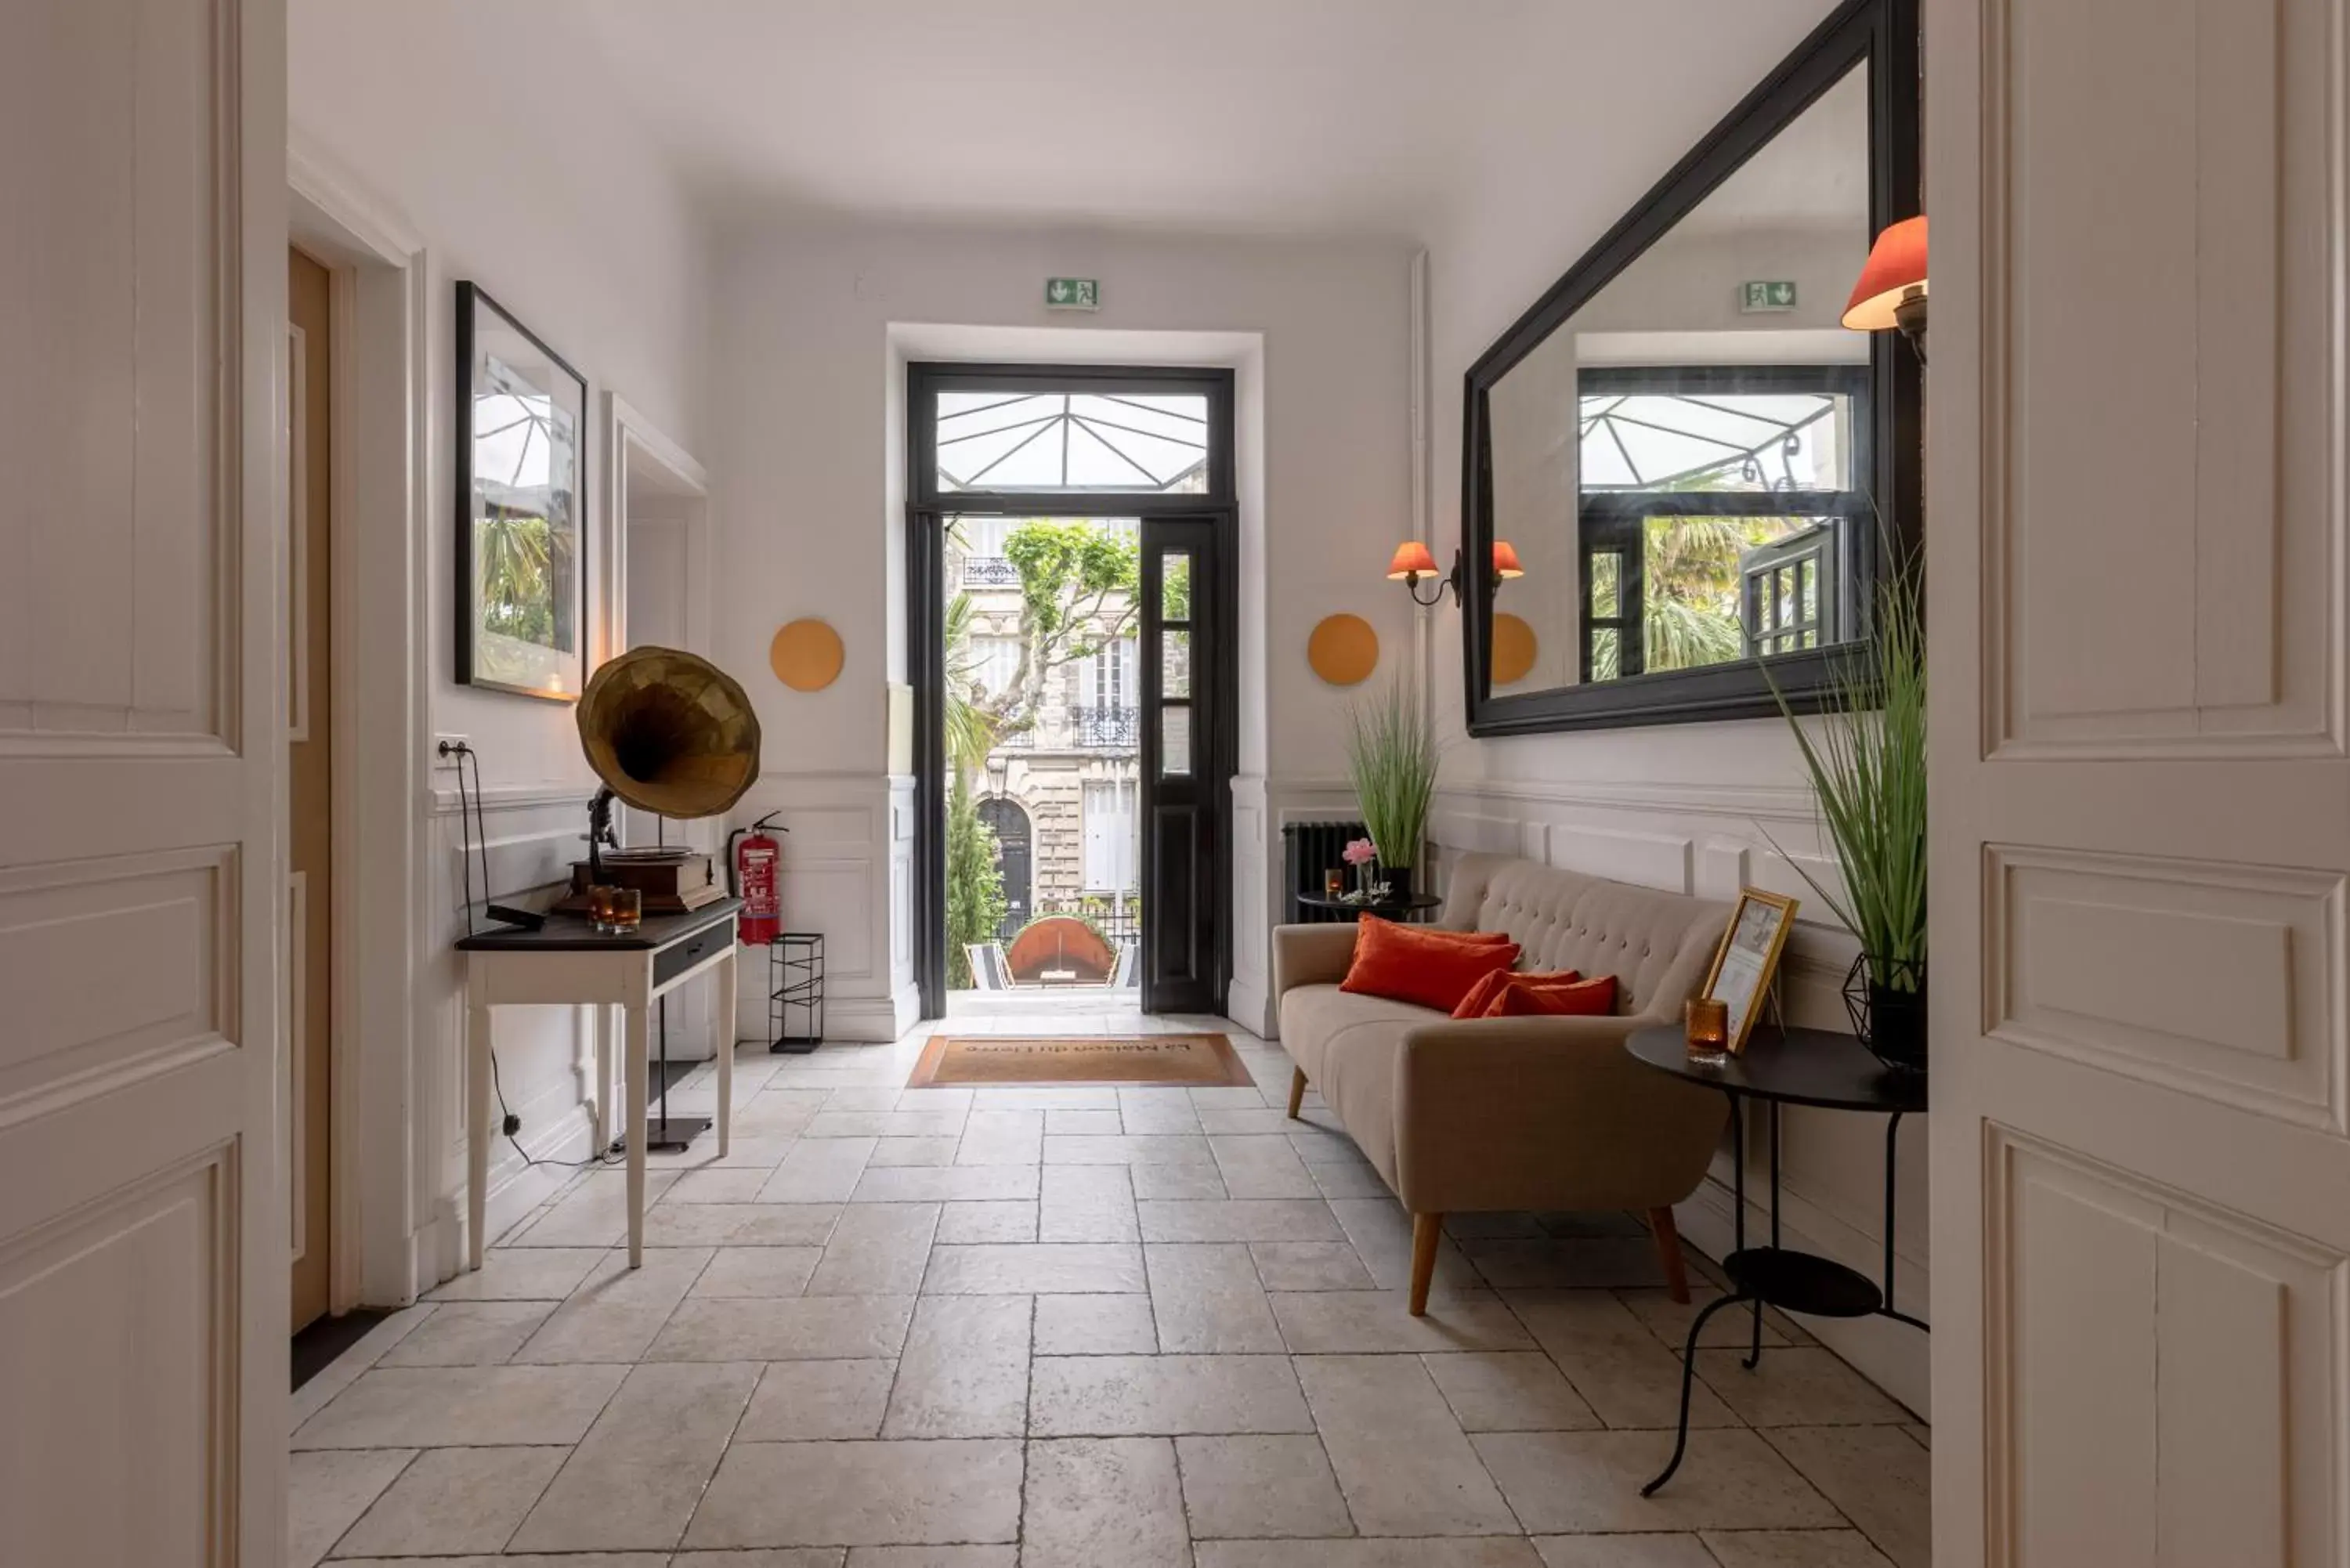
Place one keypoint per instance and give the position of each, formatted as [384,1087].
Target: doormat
[1194,1060]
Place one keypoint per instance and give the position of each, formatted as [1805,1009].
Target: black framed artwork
[1688,477]
[522,507]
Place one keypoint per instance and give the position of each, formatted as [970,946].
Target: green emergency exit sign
[1072,293]
[1765,295]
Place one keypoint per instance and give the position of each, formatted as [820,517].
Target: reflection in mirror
[1681,464]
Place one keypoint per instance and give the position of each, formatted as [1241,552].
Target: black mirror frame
[1884,35]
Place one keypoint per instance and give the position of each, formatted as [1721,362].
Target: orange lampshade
[1505,560]
[1897,265]
[1411,560]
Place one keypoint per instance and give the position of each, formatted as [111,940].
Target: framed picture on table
[1748,959]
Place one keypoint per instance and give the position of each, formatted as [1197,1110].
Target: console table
[1795,1067]
[568,962]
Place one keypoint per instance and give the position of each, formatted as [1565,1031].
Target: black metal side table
[1403,908]
[1792,1067]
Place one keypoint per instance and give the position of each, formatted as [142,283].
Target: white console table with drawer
[568,962]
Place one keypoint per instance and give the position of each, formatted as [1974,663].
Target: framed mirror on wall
[1680,463]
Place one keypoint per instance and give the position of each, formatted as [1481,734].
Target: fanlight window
[1073,442]
[1716,440]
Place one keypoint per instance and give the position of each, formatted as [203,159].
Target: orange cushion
[1485,991]
[1414,964]
[1583,999]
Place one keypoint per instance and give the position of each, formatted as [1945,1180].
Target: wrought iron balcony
[1105,727]
[988,572]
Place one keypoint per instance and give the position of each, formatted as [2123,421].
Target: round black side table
[1787,1067]
[1386,909]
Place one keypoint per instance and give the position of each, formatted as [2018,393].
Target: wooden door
[307,1083]
[2139,792]
[142,1214]
[1008,820]
[1188,695]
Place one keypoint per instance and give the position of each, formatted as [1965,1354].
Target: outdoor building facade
[1059,794]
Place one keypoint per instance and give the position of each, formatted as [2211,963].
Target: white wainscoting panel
[2211,436]
[546,1055]
[1262,808]
[120,462]
[139,1287]
[1646,859]
[2223,980]
[81,1022]
[848,872]
[2153,1361]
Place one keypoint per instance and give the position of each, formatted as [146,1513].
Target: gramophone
[671,733]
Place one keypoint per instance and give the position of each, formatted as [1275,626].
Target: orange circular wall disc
[1344,649]
[1513,649]
[806,655]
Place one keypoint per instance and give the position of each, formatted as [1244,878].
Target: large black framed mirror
[1677,466]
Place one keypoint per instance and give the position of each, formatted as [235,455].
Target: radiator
[1309,849]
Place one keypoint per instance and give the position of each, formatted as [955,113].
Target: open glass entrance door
[1187,746]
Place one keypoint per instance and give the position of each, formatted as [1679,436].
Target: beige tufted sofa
[1540,1113]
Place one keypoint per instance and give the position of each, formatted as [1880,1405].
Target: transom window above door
[1068,440]
[1079,441]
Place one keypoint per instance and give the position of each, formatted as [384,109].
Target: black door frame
[1179,975]
[927,509]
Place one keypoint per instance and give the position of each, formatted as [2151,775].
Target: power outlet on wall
[445,750]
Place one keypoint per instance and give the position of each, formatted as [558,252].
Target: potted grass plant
[1865,753]
[1391,761]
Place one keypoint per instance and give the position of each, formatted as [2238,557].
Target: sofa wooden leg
[1427,1230]
[1669,1253]
[1296,1091]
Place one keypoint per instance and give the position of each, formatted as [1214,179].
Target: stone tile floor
[1065,1327]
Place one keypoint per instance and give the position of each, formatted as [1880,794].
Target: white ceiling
[1339,116]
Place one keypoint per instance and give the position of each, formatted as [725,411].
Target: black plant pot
[1399,881]
[1886,1002]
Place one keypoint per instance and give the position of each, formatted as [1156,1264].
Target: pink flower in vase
[1360,852]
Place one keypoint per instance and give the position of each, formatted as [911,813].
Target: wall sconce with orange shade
[1892,292]
[1412,561]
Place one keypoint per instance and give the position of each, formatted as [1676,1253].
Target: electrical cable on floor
[506,1119]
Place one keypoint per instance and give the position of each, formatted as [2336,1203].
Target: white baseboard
[516,1187]
[1893,1355]
[873,1018]
[1250,1007]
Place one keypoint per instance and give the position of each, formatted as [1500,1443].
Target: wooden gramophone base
[668,886]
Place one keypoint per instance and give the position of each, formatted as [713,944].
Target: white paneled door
[142,1220]
[2141,801]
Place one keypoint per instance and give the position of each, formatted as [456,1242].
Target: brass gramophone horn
[670,733]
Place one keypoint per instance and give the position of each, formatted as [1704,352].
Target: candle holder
[1333,882]
[600,908]
[1706,1021]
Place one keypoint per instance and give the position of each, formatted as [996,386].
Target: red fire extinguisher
[752,863]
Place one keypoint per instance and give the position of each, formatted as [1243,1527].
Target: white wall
[564,216]
[1679,807]
[814,330]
